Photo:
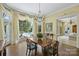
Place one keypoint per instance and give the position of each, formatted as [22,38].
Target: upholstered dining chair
[55,48]
[30,47]
[48,49]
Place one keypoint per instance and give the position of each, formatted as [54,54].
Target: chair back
[30,44]
[55,48]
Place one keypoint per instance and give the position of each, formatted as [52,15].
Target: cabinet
[74,28]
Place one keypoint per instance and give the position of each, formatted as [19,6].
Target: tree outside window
[25,26]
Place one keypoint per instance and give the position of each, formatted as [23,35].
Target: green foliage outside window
[25,26]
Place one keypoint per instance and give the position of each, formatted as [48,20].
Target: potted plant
[40,36]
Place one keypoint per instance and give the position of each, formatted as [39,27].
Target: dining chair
[4,51]
[55,48]
[50,48]
[31,46]
[47,48]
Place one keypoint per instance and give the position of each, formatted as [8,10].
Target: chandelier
[39,16]
[39,11]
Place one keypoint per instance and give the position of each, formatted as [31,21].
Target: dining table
[44,45]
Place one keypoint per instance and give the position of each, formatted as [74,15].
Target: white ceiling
[33,8]
[67,19]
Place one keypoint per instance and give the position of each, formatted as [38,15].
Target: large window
[25,26]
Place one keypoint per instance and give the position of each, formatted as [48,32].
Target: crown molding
[53,13]
[16,10]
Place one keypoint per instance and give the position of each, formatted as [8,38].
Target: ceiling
[33,8]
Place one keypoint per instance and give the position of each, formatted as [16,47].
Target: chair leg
[4,53]
[57,53]
[0,53]
[35,51]
[29,52]
[26,52]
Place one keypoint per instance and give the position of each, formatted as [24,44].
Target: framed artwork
[49,27]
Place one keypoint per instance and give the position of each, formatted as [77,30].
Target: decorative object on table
[40,36]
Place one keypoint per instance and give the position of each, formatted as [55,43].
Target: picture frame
[49,27]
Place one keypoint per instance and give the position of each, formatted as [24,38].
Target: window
[39,24]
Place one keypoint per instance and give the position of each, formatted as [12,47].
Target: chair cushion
[31,46]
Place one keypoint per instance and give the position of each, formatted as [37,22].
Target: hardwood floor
[66,50]
[16,50]
[20,50]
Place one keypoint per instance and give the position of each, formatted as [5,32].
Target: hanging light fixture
[39,11]
[40,20]
[39,14]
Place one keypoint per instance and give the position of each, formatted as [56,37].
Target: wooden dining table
[45,43]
